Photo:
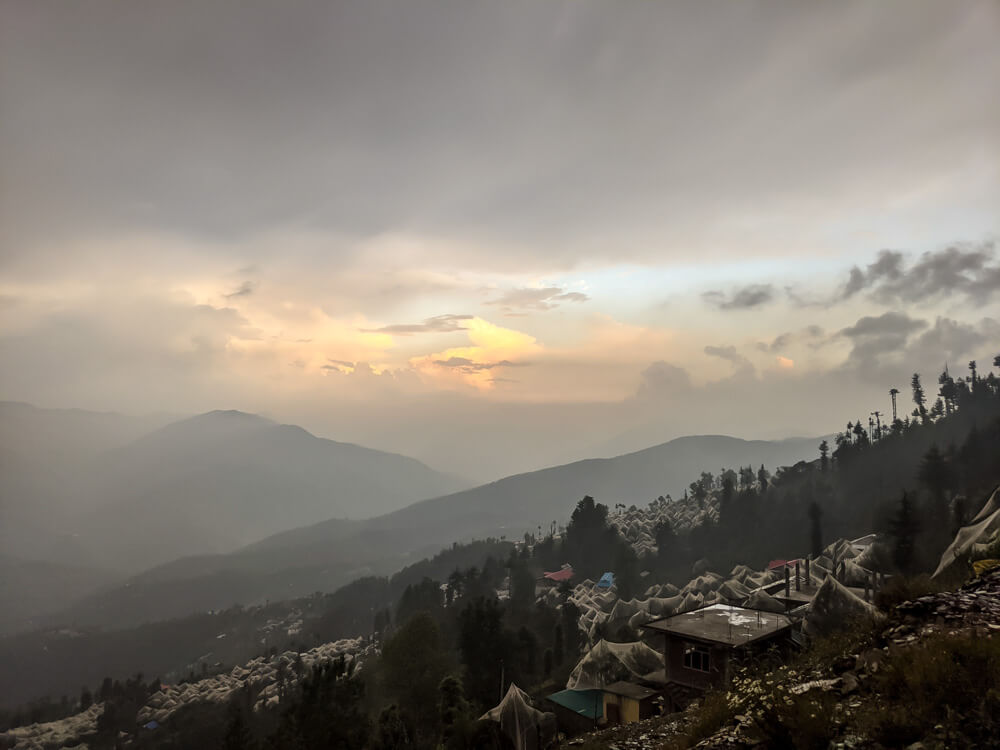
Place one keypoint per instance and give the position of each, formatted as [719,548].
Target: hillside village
[504,375]
[688,642]
[619,617]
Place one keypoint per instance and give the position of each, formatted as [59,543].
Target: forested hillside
[327,555]
[446,636]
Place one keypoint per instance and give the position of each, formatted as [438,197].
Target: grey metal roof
[630,690]
[723,623]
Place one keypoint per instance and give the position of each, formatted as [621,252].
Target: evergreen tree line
[451,647]
[916,479]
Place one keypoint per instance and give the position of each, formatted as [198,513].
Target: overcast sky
[496,235]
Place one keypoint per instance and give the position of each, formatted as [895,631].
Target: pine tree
[763,476]
[918,397]
[947,391]
[903,529]
[557,645]
[816,528]
[727,495]
[937,475]
[454,707]
[238,735]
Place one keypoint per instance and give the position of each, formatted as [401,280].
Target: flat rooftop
[630,690]
[722,623]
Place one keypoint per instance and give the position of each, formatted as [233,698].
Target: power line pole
[878,423]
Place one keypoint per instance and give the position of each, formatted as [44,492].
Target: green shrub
[797,722]
[713,713]
[952,680]
[853,636]
[900,589]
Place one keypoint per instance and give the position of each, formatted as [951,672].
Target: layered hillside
[323,556]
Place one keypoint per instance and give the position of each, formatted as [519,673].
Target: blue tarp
[589,703]
[154,724]
[607,581]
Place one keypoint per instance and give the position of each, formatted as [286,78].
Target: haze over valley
[461,375]
[229,507]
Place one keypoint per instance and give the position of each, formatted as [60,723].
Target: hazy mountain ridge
[328,554]
[207,484]
[125,494]
[31,588]
[44,482]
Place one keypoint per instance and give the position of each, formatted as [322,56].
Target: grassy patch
[713,713]
[797,722]
[900,589]
[854,636]
[951,680]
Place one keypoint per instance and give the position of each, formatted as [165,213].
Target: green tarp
[589,703]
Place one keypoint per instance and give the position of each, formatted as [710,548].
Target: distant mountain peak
[231,414]
[225,420]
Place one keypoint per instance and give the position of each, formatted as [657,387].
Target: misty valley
[538,596]
[499,375]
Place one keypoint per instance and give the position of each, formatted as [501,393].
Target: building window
[696,657]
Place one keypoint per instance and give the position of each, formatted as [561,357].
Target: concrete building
[703,648]
[625,702]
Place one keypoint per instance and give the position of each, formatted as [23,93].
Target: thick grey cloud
[878,340]
[383,160]
[244,290]
[437,324]
[961,270]
[887,267]
[887,348]
[894,325]
[663,380]
[744,366]
[783,340]
[952,342]
[592,129]
[338,365]
[155,349]
[466,365]
[530,298]
[744,298]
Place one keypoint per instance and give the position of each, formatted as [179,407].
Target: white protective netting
[972,541]
[523,724]
[607,663]
[835,606]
